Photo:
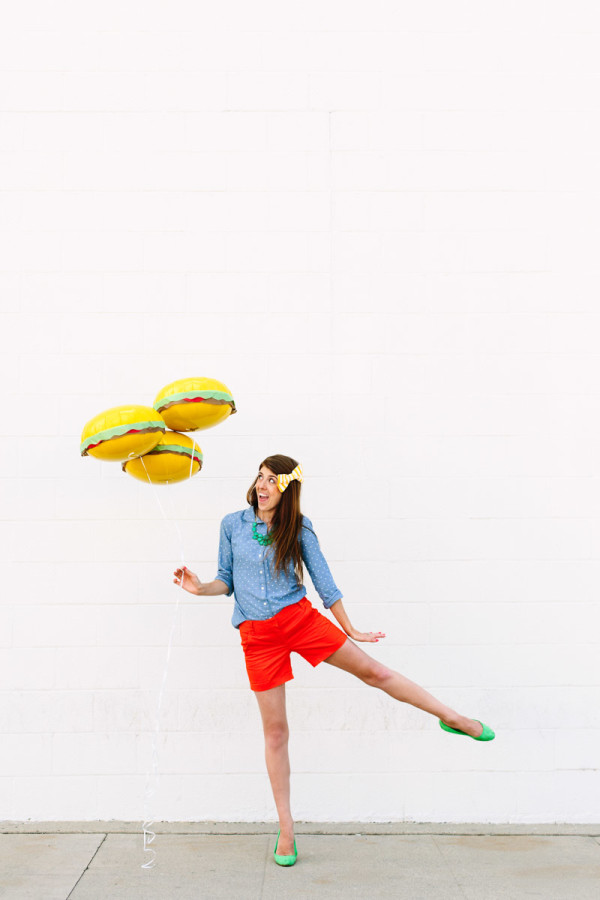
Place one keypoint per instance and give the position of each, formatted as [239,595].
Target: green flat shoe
[486,735]
[284,860]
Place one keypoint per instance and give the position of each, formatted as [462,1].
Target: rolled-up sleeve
[317,566]
[225,560]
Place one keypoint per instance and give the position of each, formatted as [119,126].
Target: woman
[261,552]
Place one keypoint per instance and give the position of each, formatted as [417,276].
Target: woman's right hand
[190,581]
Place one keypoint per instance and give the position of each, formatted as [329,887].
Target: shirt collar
[250,516]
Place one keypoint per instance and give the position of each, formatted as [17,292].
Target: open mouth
[262,497]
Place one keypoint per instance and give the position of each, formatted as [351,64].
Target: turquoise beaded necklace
[263,539]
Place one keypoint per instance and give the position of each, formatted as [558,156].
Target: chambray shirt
[248,569]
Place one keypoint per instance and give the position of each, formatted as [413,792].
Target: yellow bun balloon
[175,458]
[122,432]
[191,404]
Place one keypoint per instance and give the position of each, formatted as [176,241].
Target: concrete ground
[210,861]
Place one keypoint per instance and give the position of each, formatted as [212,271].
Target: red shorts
[268,643]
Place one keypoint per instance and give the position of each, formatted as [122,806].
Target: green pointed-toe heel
[284,860]
[486,735]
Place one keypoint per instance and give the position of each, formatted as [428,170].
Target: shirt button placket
[262,576]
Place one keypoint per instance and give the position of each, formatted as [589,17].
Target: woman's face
[267,491]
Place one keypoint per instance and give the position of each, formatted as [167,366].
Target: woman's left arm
[326,587]
[340,613]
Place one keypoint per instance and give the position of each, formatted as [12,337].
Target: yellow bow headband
[284,480]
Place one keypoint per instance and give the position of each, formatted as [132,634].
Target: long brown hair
[287,518]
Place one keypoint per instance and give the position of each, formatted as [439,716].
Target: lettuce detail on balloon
[119,431]
[216,397]
[177,448]
[122,432]
[175,458]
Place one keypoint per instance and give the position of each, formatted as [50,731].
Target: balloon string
[153,777]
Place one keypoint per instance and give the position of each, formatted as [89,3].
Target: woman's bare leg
[275,726]
[352,659]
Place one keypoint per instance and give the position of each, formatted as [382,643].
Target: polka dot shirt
[248,569]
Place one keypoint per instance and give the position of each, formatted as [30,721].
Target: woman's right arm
[223,583]
[192,583]
[213,588]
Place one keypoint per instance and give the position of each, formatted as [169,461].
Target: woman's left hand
[371,636]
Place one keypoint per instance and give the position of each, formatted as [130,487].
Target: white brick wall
[378,225]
